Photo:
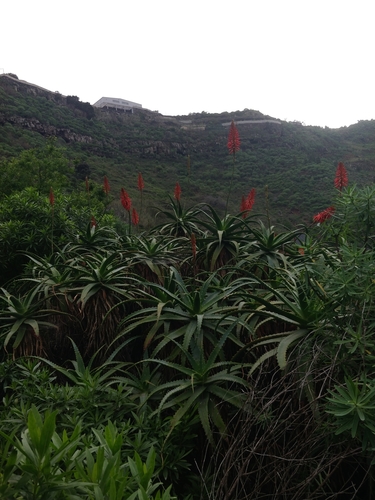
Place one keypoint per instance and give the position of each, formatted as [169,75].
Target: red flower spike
[341,179]
[135,217]
[325,215]
[250,199]
[193,244]
[177,191]
[106,186]
[126,202]
[93,222]
[51,197]
[141,184]
[233,139]
[247,203]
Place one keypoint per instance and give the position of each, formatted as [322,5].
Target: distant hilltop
[121,105]
[37,88]
[117,103]
[118,138]
[104,102]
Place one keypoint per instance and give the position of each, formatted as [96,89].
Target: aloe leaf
[34,325]
[89,290]
[188,404]
[204,418]
[284,345]
[20,335]
[260,360]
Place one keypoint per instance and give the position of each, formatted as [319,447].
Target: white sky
[305,60]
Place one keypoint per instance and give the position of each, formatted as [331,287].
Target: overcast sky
[305,60]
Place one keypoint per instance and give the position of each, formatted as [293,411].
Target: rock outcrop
[46,130]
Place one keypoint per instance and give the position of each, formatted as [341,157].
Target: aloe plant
[183,222]
[267,247]
[205,385]
[23,319]
[183,311]
[151,257]
[297,300]
[97,297]
[222,240]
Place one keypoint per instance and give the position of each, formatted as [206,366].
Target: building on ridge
[118,104]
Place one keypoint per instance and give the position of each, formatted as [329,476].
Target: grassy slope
[296,162]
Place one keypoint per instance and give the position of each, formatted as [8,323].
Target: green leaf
[34,325]
[204,418]
[262,358]
[284,345]
[20,336]
[47,432]
[18,325]
[35,425]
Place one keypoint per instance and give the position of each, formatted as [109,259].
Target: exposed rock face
[46,130]
[155,147]
[163,148]
[13,84]
[70,136]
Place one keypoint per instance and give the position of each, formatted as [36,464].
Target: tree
[40,168]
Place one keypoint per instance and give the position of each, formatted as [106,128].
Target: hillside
[296,162]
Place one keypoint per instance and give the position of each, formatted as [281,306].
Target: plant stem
[230,185]
[267,207]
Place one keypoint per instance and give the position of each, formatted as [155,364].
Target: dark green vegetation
[194,360]
[209,357]
[293,160]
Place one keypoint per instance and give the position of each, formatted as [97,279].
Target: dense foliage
[192,360]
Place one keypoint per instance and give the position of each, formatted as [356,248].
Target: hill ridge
[296,162]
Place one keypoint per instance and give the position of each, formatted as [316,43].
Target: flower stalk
[106,186]
[141,186]
[52,204]
[233,146]
[126,202]
[341,178]
[177,192]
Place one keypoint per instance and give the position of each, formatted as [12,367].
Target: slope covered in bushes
[192,359]
[294,161]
